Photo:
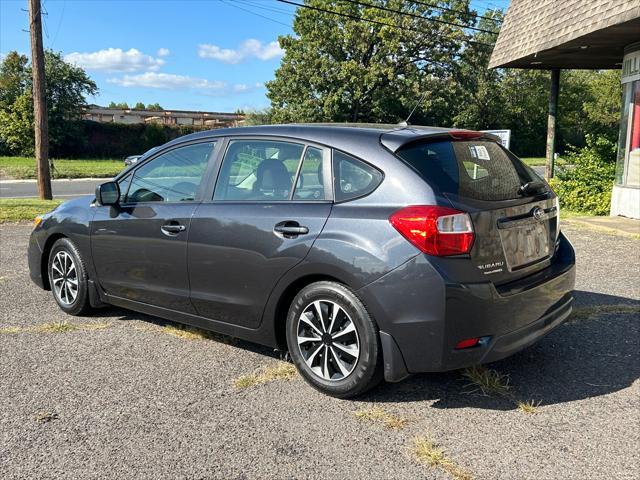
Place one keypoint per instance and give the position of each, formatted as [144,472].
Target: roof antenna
[405,123]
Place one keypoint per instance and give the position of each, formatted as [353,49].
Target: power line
[409,14]
[55,37]
[261,6]
[255,13]
[447,9]
[368,20]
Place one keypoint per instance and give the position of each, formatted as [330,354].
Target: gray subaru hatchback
[367,252]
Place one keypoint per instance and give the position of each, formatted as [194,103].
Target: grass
[427,452]
[278,371]
[377,414]
[25,168]
[583,313]
[192,333]
[55,327]
[535,161]
[491,382]
[45,417]
[19,209]
[529,407]
[486,380]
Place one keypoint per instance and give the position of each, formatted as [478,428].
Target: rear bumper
[426,316]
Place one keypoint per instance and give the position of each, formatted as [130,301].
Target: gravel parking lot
[119,395]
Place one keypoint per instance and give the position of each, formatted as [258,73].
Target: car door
[139,247]
[258,226]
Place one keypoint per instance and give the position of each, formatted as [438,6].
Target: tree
[339,68]
[16,112]
[66,89]
[139,106]
[478,88]
[258,117]
[154,106]
[121,105]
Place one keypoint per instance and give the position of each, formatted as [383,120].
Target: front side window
[174,176]
[353,178]
[258,170]
[123,185]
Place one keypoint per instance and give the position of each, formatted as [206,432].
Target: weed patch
[529,407]
[486,380]
[427,452]
[46,417]
[584,313]
[55,327]
[192,333]
[377,414]
[490,382]
[279,371]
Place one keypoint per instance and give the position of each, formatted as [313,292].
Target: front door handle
[290,229]
[172,229]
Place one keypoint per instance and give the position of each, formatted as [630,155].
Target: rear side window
[258,170]
[353,178]
[481,170]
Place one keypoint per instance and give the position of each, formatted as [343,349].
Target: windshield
[477,169]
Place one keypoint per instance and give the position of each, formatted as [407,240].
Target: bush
[116,140]
[585,179]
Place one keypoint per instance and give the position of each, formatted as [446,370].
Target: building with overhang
[211,120]
[582,34]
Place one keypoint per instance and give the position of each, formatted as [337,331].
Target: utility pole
[551,123]
[41,126]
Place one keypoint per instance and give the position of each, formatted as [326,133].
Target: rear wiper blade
[532,187]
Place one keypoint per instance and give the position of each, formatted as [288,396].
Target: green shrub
[585,179]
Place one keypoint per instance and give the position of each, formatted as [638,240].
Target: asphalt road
[130,401]
[61,188]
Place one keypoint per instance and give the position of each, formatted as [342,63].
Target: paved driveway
[121,397]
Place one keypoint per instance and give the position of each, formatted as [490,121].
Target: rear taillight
[439,231]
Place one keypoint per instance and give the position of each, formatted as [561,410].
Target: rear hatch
[514,212]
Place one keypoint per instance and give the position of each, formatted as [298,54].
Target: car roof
[337,135]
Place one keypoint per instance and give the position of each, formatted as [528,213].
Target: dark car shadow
[125,315]
[594,353]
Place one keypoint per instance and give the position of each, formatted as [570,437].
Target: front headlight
[37,221]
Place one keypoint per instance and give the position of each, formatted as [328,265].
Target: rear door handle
[172,229]
[290,229]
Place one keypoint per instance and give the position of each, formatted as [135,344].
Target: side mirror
[108,193]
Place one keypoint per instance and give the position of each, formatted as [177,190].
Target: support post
[551,123]
[41,126]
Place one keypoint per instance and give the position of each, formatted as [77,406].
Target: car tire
[68,278]
[347,360]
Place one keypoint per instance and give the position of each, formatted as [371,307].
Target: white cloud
[170,81]
[116,60]
[250,48]
[163,52]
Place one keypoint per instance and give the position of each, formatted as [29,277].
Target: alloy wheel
[64,278]
[328,340]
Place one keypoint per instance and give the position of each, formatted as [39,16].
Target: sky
[207,55]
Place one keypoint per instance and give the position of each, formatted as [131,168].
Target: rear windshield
[481,170]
